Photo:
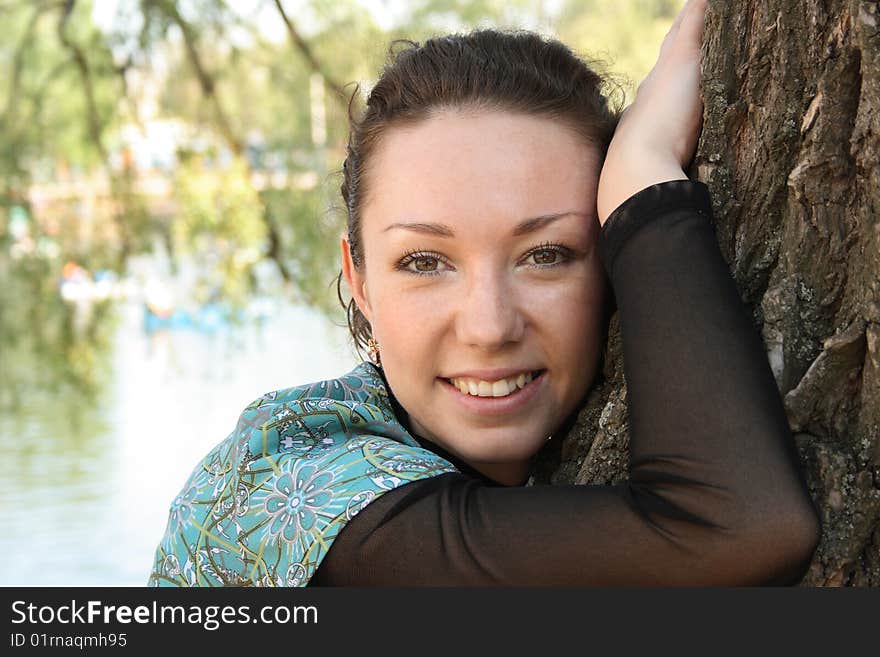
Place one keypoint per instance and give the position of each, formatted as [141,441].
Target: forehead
[487,166]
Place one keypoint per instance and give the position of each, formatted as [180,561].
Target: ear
[356,279]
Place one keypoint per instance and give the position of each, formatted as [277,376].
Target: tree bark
[790,150]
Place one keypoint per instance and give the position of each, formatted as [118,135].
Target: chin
[486,444]
[499,449]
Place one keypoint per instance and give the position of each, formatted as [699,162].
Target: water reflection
[88,471]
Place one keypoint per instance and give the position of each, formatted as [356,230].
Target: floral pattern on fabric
[264,506]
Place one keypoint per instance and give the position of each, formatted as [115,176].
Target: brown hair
[487,69]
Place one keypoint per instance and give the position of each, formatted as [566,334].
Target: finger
[672,36]
[674,28]
[680,17]
[690,32]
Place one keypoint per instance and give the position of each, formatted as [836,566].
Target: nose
[488,313]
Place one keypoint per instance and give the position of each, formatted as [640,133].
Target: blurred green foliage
[624,35]
[59,349]
[219,224]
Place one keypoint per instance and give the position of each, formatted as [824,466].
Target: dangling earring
[373,348]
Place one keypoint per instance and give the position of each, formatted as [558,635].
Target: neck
[506,474]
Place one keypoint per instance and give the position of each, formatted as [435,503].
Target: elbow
[730,535]
[782,545]
[806,535]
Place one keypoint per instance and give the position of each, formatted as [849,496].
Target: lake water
[84,492]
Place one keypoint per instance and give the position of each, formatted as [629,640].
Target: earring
[373,348]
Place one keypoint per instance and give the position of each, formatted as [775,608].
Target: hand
[658,132]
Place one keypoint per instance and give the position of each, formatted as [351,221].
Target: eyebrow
[522,228]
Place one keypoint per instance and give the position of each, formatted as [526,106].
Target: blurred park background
[169,226]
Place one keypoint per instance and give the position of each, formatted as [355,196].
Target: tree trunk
[790,150]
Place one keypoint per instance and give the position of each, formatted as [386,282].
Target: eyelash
[416,254]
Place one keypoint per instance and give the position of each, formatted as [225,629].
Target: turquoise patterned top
[264,506]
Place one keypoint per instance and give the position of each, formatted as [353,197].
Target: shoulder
[265,505]
[310,418]
[362,384]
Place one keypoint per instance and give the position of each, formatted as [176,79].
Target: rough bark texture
[791,153]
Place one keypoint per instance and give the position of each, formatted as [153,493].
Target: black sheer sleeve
[715,495]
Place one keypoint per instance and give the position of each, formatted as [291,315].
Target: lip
[496,405]
[492,375]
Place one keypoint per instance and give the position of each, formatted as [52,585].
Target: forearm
[619,181]
[708,431]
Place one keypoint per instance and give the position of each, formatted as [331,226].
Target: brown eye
[549,255]
[545,257]
[425,263]
[422,263]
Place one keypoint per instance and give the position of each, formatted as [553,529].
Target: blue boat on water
[209,318]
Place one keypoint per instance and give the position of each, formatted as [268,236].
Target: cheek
[570,301]
[406,323]
[406,308]
[568,326]
[569,317]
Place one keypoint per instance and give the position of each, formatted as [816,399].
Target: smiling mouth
[493,389]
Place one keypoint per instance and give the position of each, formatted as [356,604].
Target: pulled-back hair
[515,70]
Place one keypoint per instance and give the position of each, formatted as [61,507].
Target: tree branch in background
[235,144]
[303,46]
[95,125]
[93,117]
[18,65]
[9,118]
[206,81]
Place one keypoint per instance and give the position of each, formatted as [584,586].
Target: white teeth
[500,388]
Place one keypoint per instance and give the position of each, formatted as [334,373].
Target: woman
[489,189]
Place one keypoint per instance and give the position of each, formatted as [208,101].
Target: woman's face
[480,264]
